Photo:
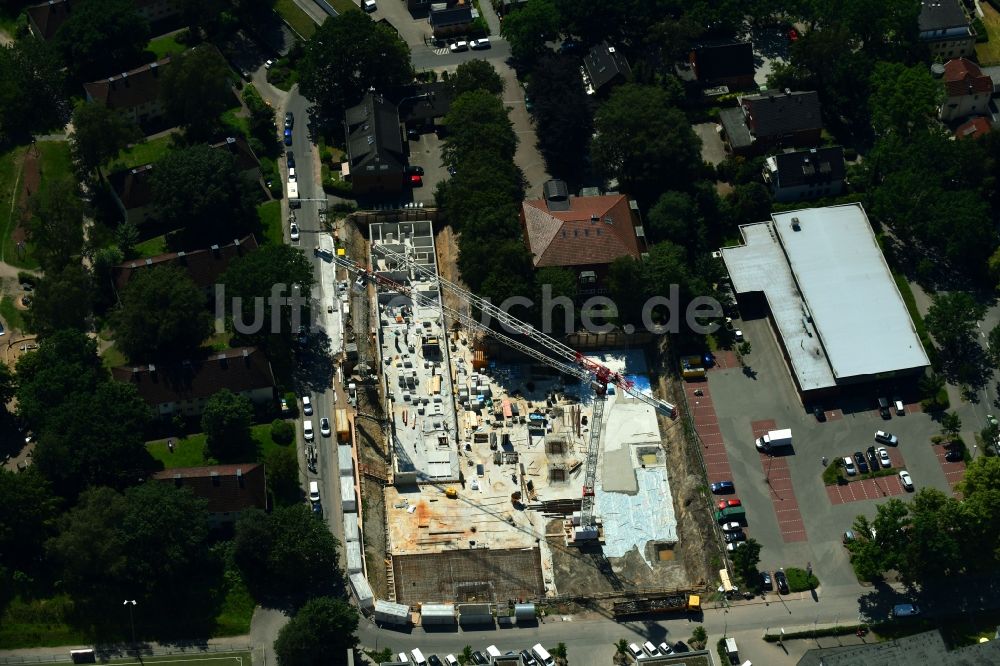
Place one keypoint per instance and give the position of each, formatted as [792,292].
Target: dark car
[681,646]
[528,659]
[290,159]
[413,134]
[289,120]
[765,581]
[479,658]
[781,581]
[859,460]
[723,487]
[819,413]
[873,459]
[733,537]
[434,660]
[953,455]
[883,408]
[288,136]
[452,170]
[414,169]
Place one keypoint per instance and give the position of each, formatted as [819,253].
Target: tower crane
[546,350]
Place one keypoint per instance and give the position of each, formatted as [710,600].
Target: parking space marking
[953,471]
[778,477]
[834,414]
[706,424]
[725,359]
[865,489]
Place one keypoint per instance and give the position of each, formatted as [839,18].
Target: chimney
[154,67]
[149,262]
[215,478]
[182,257]
[152,369]
[215,250]
[125,79]
[239,476]
[178,480]
[594,218]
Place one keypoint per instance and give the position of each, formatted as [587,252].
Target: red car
[793,35]
[725,504]
[416,180]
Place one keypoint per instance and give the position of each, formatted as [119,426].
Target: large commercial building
[831,299]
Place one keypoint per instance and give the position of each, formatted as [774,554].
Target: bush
[834,474]
[333,184]
[699,637]
[24,277]
[721,647]
[982,35]
[800,581]
[282,432]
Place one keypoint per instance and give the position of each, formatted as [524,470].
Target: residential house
[184,388]
[133,193]
[205,266]
[773,120]
[584,233]
[376,156]
[973,128]
[944,27]
[928,647]
[730,65]
[246,160]
[421,104]
[806,174]
[135,93]
[155,11]
[604,67]
[45,19]
[229,489]
[967,90]
[454,20]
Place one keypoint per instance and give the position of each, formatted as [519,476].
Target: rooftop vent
[796,225]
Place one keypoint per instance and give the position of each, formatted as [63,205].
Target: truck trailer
[774,440]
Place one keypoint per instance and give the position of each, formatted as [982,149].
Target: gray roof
[603,63]
[374,140]
[831,294]
[777,114]
[817,165]
[925,648]
[459,15]
[736,128]
[941,14]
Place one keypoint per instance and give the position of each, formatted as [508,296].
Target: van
[900,408]
[418,657]
[450,660]
[402,658]
[905,610]
[314,491]
[542,655]
[307,430]
[492,651]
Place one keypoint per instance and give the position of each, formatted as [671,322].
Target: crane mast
[560,356]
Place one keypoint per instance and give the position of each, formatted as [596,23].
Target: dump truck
[774,440]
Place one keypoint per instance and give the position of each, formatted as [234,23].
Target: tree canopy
[31,90]
[196,91]
[226,421]
[563,115]
[99,133]
[162,316]
[904,99]
[102,38]
[56,224]
[476,75]
[528,27]
[324,626]
[346,57]
[63,299]
[645,143]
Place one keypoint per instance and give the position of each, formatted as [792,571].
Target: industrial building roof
[830,292]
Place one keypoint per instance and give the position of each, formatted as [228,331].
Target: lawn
[344,6]
[11,315]
[989,52]
[10,163]
[141,153]
[152,247]
[190,451]
[237,123]
[301,22]
[112,358]
[269,214]
[39,623]
[218,659]
[165,45]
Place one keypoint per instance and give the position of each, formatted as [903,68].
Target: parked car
[883,437]
[739,535]
[416,180]
[269,63]
[731,526]
[953,454]
[284,407]
[664,648]
[859,459]
[635,650]
[905,610]
[904,478]
[324,427]
[819,413]
[849,466]
[288,136]
[883,457]
[289,119]
[733,545]
[898,404]
[883,408]
[293,231]
[725,504]
[793,35]
[303,335]
[370,6]
[781,581]
[290,159]
[479,44]
[872,458]
[459,46]
[415,169]
[722,487]
[650,649]
[479,658]
[765,581]
[433,659]
[307,405]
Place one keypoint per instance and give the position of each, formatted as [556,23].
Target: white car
[883,437]
[665,649]
[307,405]
[458,46]
[481,43]
[732,527]
[650,649]
[307,430]
[269,63]
[291,173]
[883,457]
[734,545]
[370,5]
[324,427]
[635,650]
[293,231]
[904,478]
[849,466]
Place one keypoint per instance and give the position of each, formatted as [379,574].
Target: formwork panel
[449,576]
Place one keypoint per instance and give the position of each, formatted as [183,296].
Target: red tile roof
[973,129]
[593,231]
[227,488]
[205,266]
[963,77]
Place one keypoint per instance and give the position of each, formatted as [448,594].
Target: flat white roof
[831,294]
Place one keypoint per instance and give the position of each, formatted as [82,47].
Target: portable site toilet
[363,591]
[352,531]
[347,500]
[355,563]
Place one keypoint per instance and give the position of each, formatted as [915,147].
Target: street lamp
[131,604]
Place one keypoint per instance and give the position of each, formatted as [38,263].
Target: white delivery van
[314,491]
[542,655]
[418,657]
[307,430]
[403,658]
[492,651]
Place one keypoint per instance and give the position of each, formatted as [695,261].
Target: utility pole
[131,618]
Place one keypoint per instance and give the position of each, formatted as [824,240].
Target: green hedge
[800,581]
[839,630]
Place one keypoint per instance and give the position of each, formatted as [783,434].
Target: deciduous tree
[562,112]
[528,27]
[32,98]
[323,626]
[99,133]
[904,100]
[196,90]
[346,57]
[952,318]
[745,561]
[63,299]
[55,228]
[23,531]
[226,421]
[102,38]
[476,75]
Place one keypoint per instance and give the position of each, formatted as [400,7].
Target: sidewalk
[55,654]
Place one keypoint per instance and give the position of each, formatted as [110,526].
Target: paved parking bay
[778,477]
[953,471]
[866,489]
[707,426]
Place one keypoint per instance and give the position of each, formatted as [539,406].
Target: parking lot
[426,152]
[776,488]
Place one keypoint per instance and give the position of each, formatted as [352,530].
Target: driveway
[426,152]
[713,150]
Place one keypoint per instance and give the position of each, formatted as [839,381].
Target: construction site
[500,488]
